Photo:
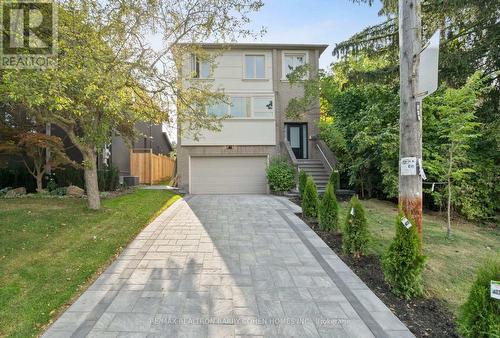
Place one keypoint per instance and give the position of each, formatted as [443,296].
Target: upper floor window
[255,66]
[263,106]
[199,68]
[240,106]
[244,107]
[291,61]
[219,109]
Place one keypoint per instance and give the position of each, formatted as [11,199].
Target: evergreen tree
[479,316]
[329,210]
[403,262]
[355,235]
[302,182]
[310,199]
[335,180]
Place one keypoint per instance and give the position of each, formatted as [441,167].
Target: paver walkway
[225,266]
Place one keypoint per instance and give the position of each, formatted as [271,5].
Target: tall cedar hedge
[329,210]
[310,199]
[403,262]
[480,314]
[355,236]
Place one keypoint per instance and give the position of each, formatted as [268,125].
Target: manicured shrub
[302,182]
[355,236]
[335,180]
[310,199]
[403,262]
[329,210]
[280,175]
[480,315]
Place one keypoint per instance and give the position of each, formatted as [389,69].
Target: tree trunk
[39,186]
[90,173]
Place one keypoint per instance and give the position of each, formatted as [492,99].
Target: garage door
[228,175]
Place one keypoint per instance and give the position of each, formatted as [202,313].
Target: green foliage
[61,191]
[362,129]
[355,235]
[108,179]
[14,177]
[280,175]
[302,182]
[297,106]
[335,180]
[69,175]
[310,199]
[329,210]
[479,316]
[364,135]
[51,183]
[403,262]
[370,58]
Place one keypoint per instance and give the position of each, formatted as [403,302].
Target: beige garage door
[228,175]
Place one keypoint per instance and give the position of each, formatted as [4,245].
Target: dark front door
[296,134]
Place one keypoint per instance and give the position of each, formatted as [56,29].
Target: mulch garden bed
[424,317]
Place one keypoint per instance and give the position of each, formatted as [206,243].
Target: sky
[313,21]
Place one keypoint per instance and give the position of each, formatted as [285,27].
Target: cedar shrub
[329,210]
[403,262]
[355,236]
[302,182]
[480,315]
[310,199]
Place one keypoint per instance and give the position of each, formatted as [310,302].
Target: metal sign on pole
[428,68]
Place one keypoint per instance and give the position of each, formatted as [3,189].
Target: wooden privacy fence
[149,167]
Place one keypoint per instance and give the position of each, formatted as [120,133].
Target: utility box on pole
[410,115]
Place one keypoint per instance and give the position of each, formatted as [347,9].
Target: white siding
[238,132]
[229,72]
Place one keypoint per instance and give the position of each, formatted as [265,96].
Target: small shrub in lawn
[302,182]
[280,175]
[403,262]
[329,210]
[310,199]
[480,315]
[355,236]
[335,180]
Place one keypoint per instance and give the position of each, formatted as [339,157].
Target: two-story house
[254,78]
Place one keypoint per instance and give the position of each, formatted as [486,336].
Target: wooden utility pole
[410,132]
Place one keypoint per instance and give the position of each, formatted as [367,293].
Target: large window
[199,68]
[291,61]
[240,106]
[219,109]
[244,107]
[255,66]
[263,107]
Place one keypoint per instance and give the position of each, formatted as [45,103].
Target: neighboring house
[151,136]
[234,159]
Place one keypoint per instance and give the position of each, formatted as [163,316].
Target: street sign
[428,68]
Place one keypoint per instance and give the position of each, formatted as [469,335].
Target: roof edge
[258,45]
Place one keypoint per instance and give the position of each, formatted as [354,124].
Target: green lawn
[451,265]
[51,249]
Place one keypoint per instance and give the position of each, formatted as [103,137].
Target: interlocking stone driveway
[225,266]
